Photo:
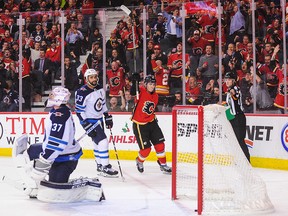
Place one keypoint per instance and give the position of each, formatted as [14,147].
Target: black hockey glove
[88,127]
[136,77]
[108,121]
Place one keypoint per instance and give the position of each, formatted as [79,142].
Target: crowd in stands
[41,39]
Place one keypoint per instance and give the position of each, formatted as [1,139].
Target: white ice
[139,194]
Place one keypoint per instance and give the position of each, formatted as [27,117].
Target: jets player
[145,125]
[90,108]
[58,155]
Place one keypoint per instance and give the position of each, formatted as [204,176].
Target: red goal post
[209,166]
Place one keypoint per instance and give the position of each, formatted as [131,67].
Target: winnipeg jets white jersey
[59,144]
[90,103]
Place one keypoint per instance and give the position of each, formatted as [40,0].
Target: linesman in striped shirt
[234,100]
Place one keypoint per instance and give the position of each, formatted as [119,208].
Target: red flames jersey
[176,59]
[193,92]
[116,81]
[161,76]
[128,36]
[54,54]
[26,67]
[198,47]
[280,97]
[207,24]
[145,107]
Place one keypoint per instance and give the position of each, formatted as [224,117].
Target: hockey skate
[99,167]
[108,171]
[140,166]
[164,168]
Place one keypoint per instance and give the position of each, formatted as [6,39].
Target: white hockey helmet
[88,73]
[58,96]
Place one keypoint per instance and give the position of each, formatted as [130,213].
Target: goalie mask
[91,72]
[58,96]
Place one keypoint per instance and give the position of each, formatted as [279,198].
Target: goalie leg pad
[73,191]
[24,168]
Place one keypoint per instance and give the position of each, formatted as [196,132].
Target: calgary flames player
[145,125]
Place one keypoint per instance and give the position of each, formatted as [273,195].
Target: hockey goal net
[209,165]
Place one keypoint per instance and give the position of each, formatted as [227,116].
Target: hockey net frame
[208,164]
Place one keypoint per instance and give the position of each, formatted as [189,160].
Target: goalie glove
[41,168]
[108,121]
[90,129]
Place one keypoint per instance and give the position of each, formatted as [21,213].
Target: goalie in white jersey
[90,108]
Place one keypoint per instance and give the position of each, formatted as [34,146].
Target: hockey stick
[117,155]
[88,131]
[137,90]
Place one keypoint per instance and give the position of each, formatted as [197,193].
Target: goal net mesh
[229,182]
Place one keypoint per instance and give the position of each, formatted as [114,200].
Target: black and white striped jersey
[235,101]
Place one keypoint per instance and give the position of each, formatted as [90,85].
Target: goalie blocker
[73,191]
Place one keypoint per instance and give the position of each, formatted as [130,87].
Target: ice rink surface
[145,194]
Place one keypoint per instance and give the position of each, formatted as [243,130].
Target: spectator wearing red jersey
[248,55]
[53,33]
[161,75]
[193,91]
[274,33]
[270,73]
[175,64]
[269,50]
[7,37]
[9,5]
[242,46]
[2,29]
[132,52]
[7,58]
[53,53]
[26,82]
[279,101]
[116,79]
[198,45]
[208,24]
[88,12]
